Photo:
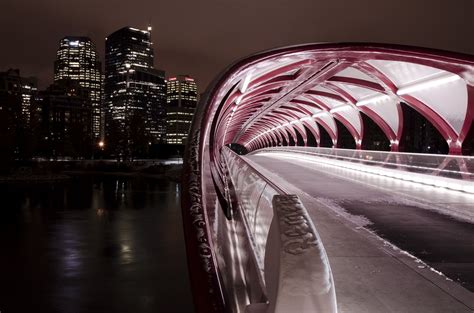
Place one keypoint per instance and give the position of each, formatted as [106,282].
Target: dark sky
[201,37]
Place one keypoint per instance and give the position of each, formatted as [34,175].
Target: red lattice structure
[276,96]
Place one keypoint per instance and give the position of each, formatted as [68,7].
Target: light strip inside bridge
[416,178]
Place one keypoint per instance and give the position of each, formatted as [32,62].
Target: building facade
[181,101]
[16,93]
[77,60]
[19,89]
[135,92]
[61,121]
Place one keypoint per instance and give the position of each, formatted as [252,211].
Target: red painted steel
[258,94]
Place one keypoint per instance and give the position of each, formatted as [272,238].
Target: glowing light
[319,114]
[101,144]
[239,99]
[374,99]
[245,83]
[340,108]
[434,82]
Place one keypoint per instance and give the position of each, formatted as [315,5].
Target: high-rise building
[19,89]
[181,101]
[15,107]
[135,92]
[77,60]
[61,120]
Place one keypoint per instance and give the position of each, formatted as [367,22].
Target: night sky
[201,37]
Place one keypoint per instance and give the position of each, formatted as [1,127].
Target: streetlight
[101,144]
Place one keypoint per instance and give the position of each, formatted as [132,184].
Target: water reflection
[93,244]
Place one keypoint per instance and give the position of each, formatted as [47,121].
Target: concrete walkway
[371,275]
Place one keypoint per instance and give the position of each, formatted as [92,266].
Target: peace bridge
[302,192]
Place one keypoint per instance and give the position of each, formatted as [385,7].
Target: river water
[97,243]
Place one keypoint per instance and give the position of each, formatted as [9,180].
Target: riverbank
[171,172]
[46,178]
[57,171]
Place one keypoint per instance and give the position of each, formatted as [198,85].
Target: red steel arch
[264,99]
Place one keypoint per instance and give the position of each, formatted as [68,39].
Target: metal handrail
[297,274]
[250,165]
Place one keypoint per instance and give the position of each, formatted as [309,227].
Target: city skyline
[118,110]
[211,45]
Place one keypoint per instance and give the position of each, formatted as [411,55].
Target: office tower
[15,88]
[77,60]
[135,92]
[15,106]
[181,100]
[61,120]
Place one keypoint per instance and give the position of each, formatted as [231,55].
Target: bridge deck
[371,274]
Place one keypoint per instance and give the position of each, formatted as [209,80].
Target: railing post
[297,272]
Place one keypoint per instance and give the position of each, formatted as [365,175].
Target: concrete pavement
[360,221]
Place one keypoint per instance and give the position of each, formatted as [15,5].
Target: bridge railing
[254,194]
[448,171]
[290,256]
